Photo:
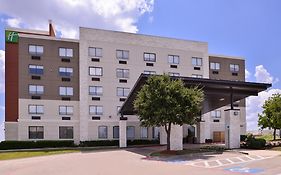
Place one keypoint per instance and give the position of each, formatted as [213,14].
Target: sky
[245,28]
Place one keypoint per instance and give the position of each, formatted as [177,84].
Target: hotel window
[173,59]
[122,73]
[122,54]
[156,132]
[36,89]
[95,90]
[66,91]
[65,52]
[144,132]
[149,57]
[65,71]
[196,76]
[148,72]
[36,69]
[66,132]
[95,110]
[174,74]
[215,66]
[95,71]
[196,61]
[36,132]
[216,114]
[115,132]
[95,52]
[130,132]
[35,50]
[102,132]
[234,67]
[35,109]
[123,92]
[65,110]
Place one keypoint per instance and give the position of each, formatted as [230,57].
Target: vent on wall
[35,118]
[122,62]
[197,68]
[95,79]
[149,64]
[66,118]
[36,57]
[35,77]
[95,60]
[65,60]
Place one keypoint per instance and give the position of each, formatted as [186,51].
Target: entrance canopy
[217,93]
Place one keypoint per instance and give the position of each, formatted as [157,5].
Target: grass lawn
[24,154]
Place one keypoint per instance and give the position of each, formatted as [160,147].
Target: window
[65,52]
[122,54]
[196,61]
[36,89]
[123,92]
[95,90]
[173,59]
[130,132]
[66,132]
[115,132]
[216,114]
[66,91]
[155,132]
[36,109]
[65,71]
[95,71]
[215,66]
[149,57]
[35,132]
[234,67]
[95,52]
[148,72]
[196,76]
[174,74]
[102,132]
[95,110]
[66,110]
[36,69]
[122,73]
[144,132]
[35,49]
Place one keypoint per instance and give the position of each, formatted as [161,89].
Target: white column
[176,137]
[122,133]
[232,129]
[163,136]
[201,132]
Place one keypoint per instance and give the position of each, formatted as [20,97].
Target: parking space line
[229,160]
[239,158]
[206,164]
[250,157]
[220,164]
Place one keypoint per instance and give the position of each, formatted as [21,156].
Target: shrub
[253,143]
[208,141]
[243,138]
[94,143]
[142,142]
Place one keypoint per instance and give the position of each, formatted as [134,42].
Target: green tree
[163,102]
[271,114]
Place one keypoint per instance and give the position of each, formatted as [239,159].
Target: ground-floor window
[155,133]
[36,132]
[66,132]
[115,132]
[102,132]
[130,132]
[144,132]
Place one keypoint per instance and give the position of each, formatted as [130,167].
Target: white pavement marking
[250,158]
[259,157]
[229,161]
[206,164]
[242,160]
[220,164]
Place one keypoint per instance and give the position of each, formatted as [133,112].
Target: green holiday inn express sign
[11,37]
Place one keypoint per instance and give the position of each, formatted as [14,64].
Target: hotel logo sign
[11,37]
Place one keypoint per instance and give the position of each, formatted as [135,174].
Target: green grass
[25,154]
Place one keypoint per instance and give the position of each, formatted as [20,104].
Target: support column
[163,136]
[176,139]
[123,133]
[232,128]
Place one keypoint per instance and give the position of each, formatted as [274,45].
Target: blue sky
[247,28]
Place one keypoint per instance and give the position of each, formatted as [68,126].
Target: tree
[271,114]
[163,102]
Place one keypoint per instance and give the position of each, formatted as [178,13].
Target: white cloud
[13,22]
[2,71]
[263,76]
[68,15]
[247,74]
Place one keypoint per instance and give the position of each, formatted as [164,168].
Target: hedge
[252,143]
[94,143]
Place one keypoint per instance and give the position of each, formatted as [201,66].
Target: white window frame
[66,110]
[35,89]
[100,136]
[96,71]
[173,59]
[216,114]
[65,52]
[37,67]
[67,70]
[36,109]
[197,61]
[122,54]
[95,52]
[122,73]
[133,133]
[35,49]
[97,90]
[125,91]
[214,66]
[96,110]
[150,57]
[234,67]
[144,132]
[66,91]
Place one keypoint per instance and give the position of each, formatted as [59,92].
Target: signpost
[11,36]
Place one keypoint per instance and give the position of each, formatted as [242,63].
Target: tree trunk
[168,131]
[274,134]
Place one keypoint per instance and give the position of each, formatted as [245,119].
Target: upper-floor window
[173,59]
[196,76]
[122,73]
[65,110]
[214,66]
[95,52]
[148,72]
[66,91]
[36,69]
[149,57]
[35,49]
[35,109]
[122,54]
[234,67]
[196,61]
[65,71]
[95,90]
[95,71]
[36,89]
[65,52]
[95,110]
[174,74]
[216,114]
[123,92]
